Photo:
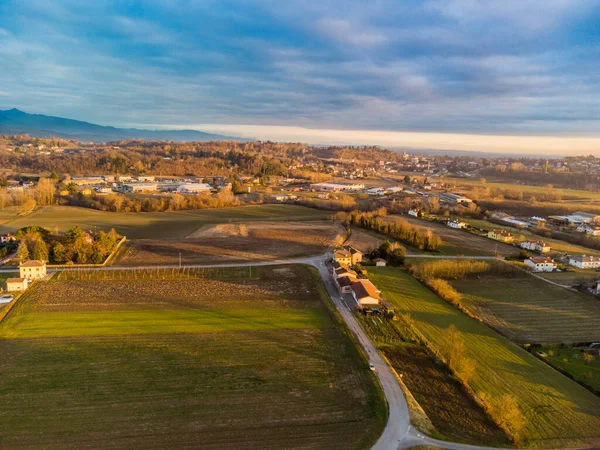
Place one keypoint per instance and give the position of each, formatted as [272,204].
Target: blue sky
[510,67]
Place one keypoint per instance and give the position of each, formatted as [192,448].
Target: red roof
[33,263]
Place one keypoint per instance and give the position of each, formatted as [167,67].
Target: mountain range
[14,121]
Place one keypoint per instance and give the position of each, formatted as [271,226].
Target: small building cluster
[536,246]
[541,264]
[501,235]
[28,272]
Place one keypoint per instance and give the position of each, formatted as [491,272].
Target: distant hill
[14,121]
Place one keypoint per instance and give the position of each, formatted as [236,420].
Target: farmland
[163,225]
[449,412]
[529,310]
[233,243]
[459,242]
[572,361]
[558,411]
[204,358]
[522,235]
[365,240]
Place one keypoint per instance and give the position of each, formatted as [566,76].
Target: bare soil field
[451,410]
[364,240]
[459,242]
[233,243]
[237,369]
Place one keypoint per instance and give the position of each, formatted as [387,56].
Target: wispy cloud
[456,66]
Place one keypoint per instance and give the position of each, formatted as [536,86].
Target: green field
[164,225]
[571,360]
[559,412]
[256,360]
[530,310]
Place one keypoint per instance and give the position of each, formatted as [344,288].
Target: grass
[441,406]
[570,360]
[33,325]
[529,310]
[164,225]
[571,278]
[527,189]
[255,361]
[559,412]
[522,235]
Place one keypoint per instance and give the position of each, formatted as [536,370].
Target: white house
[33,269]
[413,212]
[536,246]
[380,262]
[585,261]
[16,284]
[541,264]
[458,224]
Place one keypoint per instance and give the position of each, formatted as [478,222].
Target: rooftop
[364,288]
[33,263]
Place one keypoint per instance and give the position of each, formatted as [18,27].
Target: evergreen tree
[40,250]
[22,252]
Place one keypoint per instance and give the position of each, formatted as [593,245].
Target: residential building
[342,256]
[365,294]
[16,284]
[583,217]
[413,212]
[458,224]
[380,262]
[375,191]
[585,261]
[501,235]
[541,263]
[348,255]
[536,246]
[33,269]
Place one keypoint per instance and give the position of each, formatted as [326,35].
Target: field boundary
[86,266]
[10,307]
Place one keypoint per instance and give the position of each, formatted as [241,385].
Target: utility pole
[180,260]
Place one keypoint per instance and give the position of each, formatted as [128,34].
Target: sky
[514,75]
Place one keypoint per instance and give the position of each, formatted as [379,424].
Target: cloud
[458,66]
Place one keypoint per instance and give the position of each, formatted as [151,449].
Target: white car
[372,367]
[6,298]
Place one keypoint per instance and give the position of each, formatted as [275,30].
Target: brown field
[451,410]
[236,243]
[365,240]
[457,242]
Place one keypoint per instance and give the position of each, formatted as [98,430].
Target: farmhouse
[16,284]
[344,284]
[32,270]
[536,246]
[585,261]
[342,256]
[380,262]
[348,255]
[457,224]
[541,264]
[501,235]
[413,212]
[365,294]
